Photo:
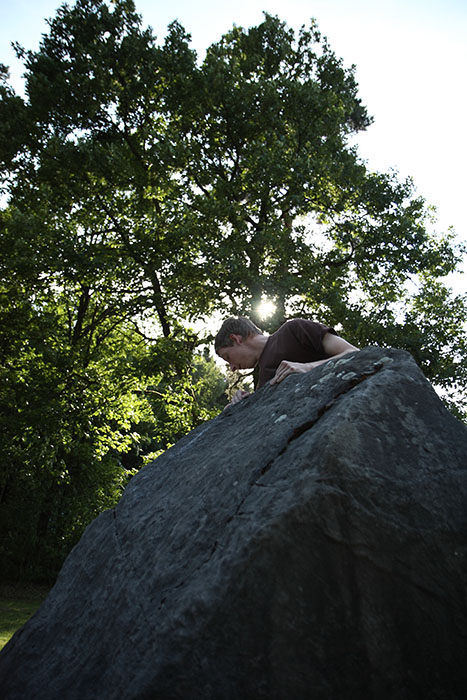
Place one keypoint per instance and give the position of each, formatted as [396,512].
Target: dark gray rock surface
[308,544]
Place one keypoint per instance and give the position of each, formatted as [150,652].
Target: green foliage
[146,190]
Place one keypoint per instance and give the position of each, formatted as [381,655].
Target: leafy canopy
[145,190]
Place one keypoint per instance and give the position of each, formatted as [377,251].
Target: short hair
[235,326]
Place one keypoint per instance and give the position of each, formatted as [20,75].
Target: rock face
[307,544]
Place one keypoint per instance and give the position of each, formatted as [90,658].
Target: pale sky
[411,59]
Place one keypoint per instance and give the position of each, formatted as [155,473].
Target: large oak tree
[147,189]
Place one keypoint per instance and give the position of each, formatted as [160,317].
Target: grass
[17,604]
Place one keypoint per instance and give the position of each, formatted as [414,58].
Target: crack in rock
[299,430]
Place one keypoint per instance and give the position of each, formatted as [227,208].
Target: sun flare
[266,308]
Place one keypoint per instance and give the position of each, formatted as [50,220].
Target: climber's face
[242,354]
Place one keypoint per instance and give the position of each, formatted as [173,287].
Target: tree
[294,214]
[146,190]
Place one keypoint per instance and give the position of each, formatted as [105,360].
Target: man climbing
[298,345]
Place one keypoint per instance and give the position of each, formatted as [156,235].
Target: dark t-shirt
[297,340]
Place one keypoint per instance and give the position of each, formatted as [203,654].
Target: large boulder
[309,543]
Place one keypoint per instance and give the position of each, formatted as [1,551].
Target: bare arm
[333,346]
